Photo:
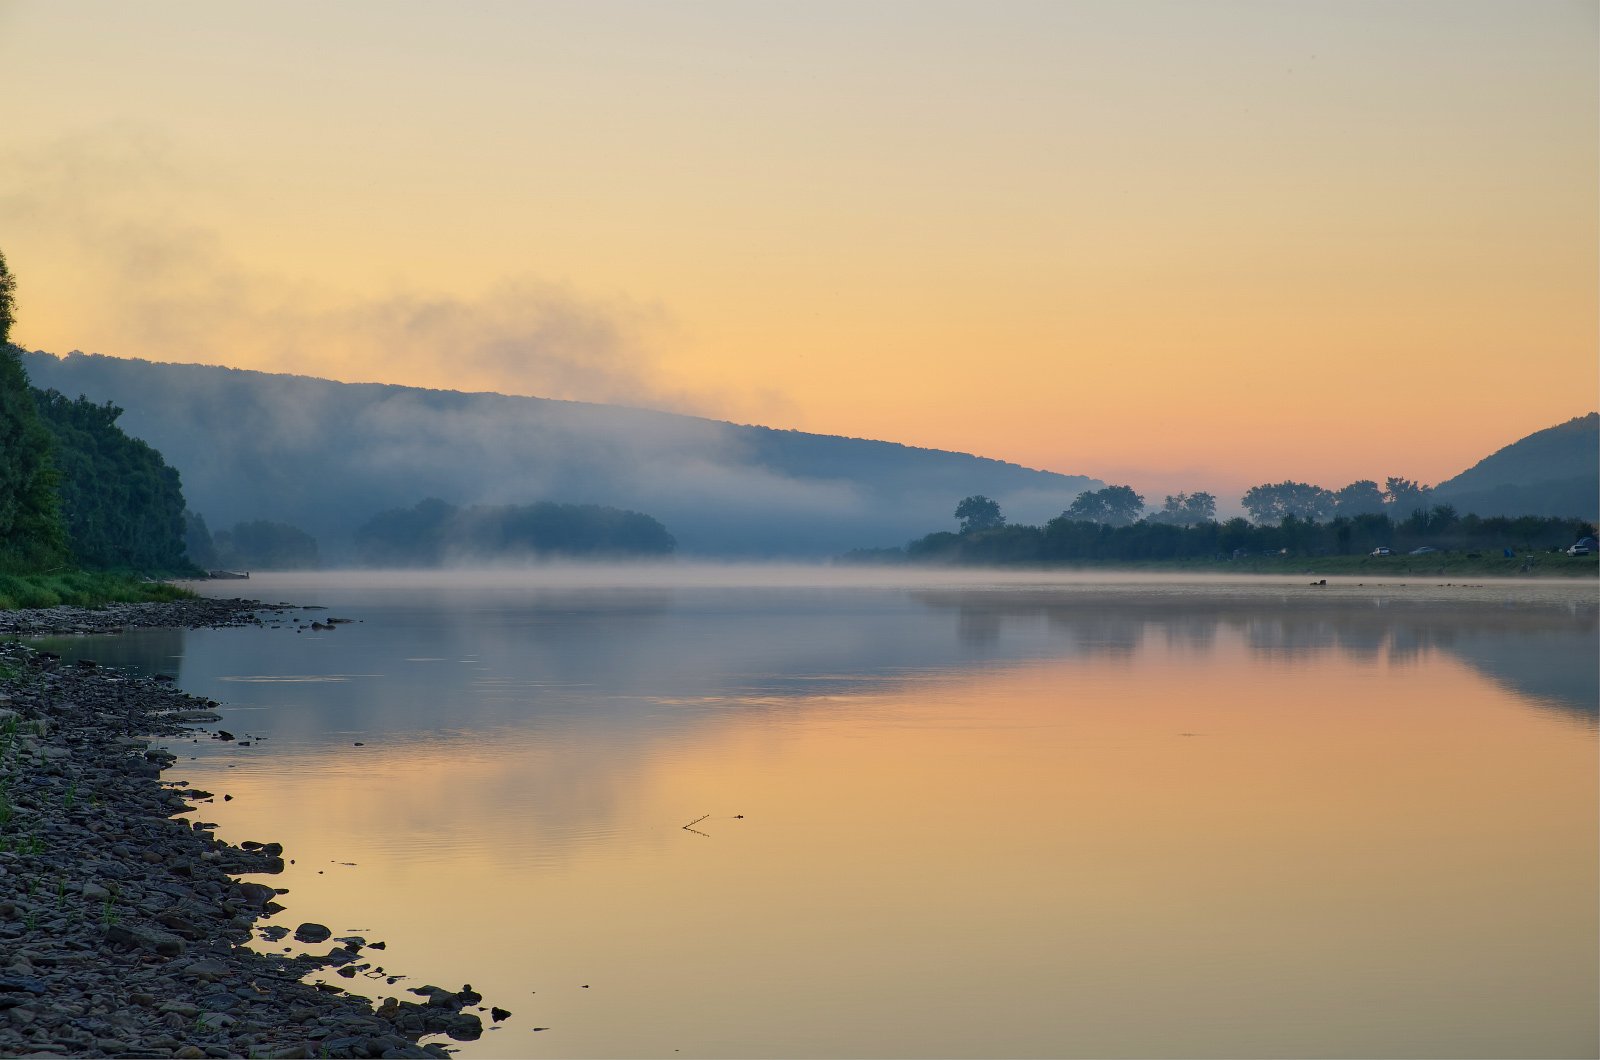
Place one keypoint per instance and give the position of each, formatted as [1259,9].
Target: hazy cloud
[170,288]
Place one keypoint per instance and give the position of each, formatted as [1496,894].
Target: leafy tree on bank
[1359,498]
[978,512]
[1271,503]
[1112,506]
[122,504]
[32,534]
[1186,509]
[1405,495]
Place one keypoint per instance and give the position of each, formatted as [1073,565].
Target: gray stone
[145,938]
[310,932]
[207,970]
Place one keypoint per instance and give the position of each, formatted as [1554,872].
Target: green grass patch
[79,588]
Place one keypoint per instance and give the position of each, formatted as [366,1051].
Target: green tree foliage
[8,302]
[1271,503]
[978,512]
[1112,506]
[434,532]
[1359,498]
[1405,495]
[32,535]
[265,545]
[123,505]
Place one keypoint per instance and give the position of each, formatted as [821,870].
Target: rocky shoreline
[198,613]
[121,928]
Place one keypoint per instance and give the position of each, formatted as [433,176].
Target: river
[806,812]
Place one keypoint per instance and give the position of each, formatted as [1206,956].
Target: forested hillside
[1553,472]
[123,505]
[327,456]
[74,488]
[32,534]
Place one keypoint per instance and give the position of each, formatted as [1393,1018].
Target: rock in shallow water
[309,932]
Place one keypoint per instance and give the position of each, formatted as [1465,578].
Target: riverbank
[80,588]
[122,929]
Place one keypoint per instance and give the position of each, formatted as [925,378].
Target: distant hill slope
[1555,472]
[326,456]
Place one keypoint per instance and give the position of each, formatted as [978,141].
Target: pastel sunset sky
[1182,245]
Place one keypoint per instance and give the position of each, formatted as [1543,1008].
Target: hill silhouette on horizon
[1553,472]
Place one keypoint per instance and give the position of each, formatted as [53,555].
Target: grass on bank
[79,588]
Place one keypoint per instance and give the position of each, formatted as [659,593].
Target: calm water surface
[965,819]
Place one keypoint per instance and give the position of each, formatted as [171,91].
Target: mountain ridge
[1553,472]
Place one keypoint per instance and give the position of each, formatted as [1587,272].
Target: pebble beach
[123,928]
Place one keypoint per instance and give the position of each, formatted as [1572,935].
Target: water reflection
[612,648]
[963,823]
[1548,655]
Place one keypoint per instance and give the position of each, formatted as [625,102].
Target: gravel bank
[114,618]
[121,929]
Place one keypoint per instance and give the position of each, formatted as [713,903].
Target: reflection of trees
[144,651]
[1545,653]
[1192,633]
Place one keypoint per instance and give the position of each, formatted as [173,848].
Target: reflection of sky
[975,822]
[415,663]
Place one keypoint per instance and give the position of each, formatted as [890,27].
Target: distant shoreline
[1537,566]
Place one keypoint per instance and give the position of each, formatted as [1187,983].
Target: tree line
[1111,525]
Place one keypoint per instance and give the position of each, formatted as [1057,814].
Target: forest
[433,532]
[75,489]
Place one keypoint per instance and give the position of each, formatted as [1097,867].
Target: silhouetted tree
[1271,503]
[1359,498]
[1112,506]
[978,512]
[1404,496]
[1186,509]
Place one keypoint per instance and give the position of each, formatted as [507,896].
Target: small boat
[223,574]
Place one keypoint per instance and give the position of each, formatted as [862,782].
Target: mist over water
[935,813]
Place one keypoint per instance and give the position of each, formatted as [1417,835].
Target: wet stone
[137,948]
[309,932]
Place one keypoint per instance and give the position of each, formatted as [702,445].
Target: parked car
[1424,550]
[1383,550]
[1583,547]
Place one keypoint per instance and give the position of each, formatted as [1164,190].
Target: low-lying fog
[708,575]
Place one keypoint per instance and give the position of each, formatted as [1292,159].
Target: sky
[1179,245]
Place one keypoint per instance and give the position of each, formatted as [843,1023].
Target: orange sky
[1181,245]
